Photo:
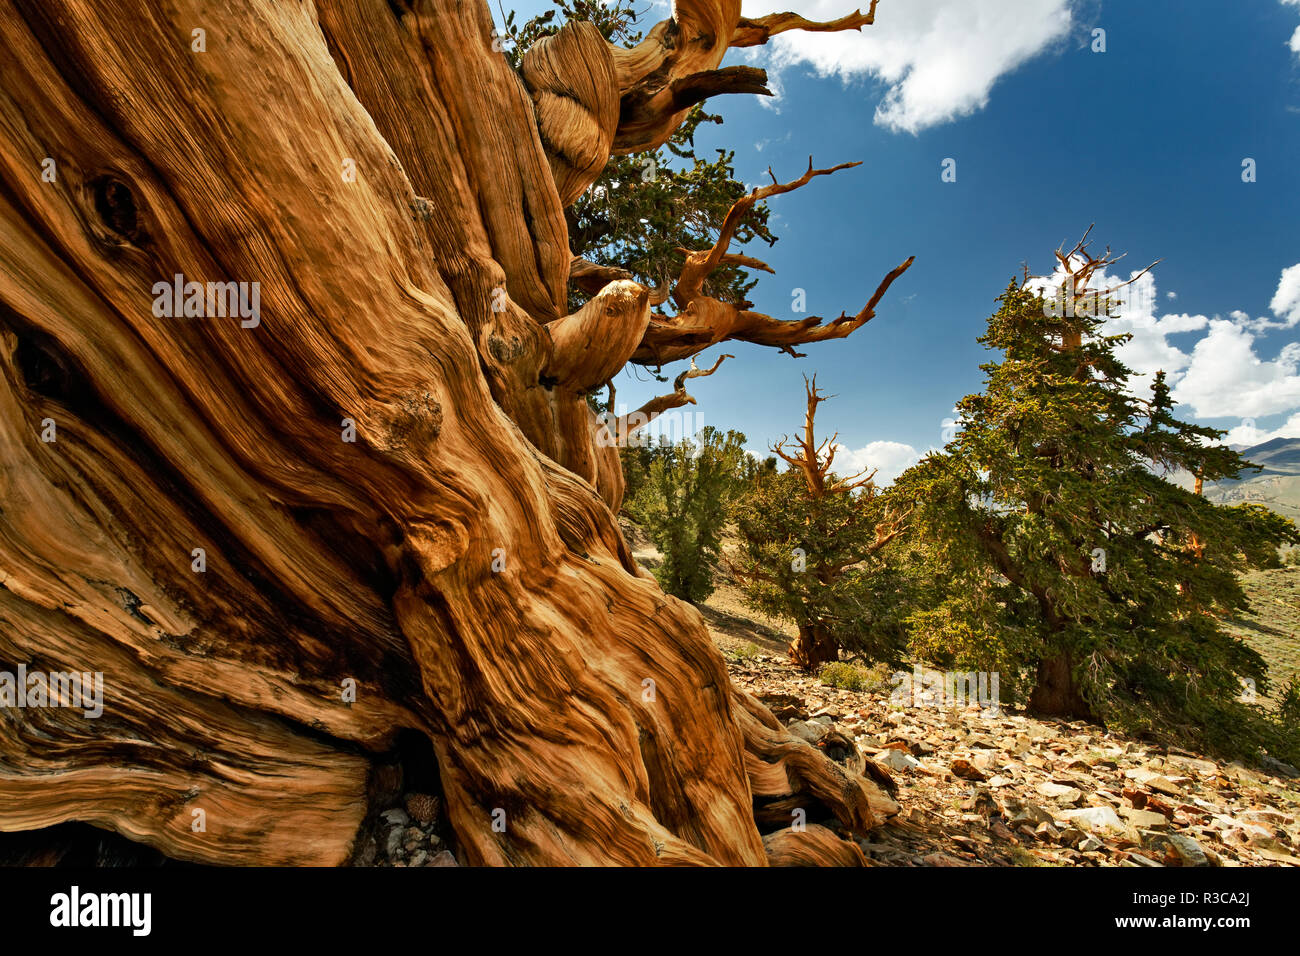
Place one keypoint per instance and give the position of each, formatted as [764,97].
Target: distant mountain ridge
[1281,455]
[1276,485]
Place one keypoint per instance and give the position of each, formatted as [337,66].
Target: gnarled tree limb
[627,425]
[757,31]
[392,473]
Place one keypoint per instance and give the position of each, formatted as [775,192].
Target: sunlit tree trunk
[375,498]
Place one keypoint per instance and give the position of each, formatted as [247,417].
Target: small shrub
[845,676]
[746,653]
[682,504]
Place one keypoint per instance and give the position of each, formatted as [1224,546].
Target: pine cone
[423,807]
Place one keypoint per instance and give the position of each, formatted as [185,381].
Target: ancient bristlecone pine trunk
[369,495]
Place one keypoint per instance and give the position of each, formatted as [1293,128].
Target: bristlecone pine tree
[648,208]
[369,496]
[1065,551]
[807,541]
[684,505]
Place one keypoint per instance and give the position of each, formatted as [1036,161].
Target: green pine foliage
[1069,563]
[813,561]
[813,551]
[682,500]
[647,207]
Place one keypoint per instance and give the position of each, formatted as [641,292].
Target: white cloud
[1226,377]
[1295,37]
[1286,301]
[939,59]
[1247,433]
[1223,376]
[762,144]
[774,83]
[889,459]
[1149,350]
[1171,323]
[1134,312]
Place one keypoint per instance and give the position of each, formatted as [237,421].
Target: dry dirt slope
[1273,626]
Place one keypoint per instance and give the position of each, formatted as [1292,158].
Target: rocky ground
[414,834]
[979,788]
[984,789]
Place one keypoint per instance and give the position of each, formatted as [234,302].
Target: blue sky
[1146,139]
